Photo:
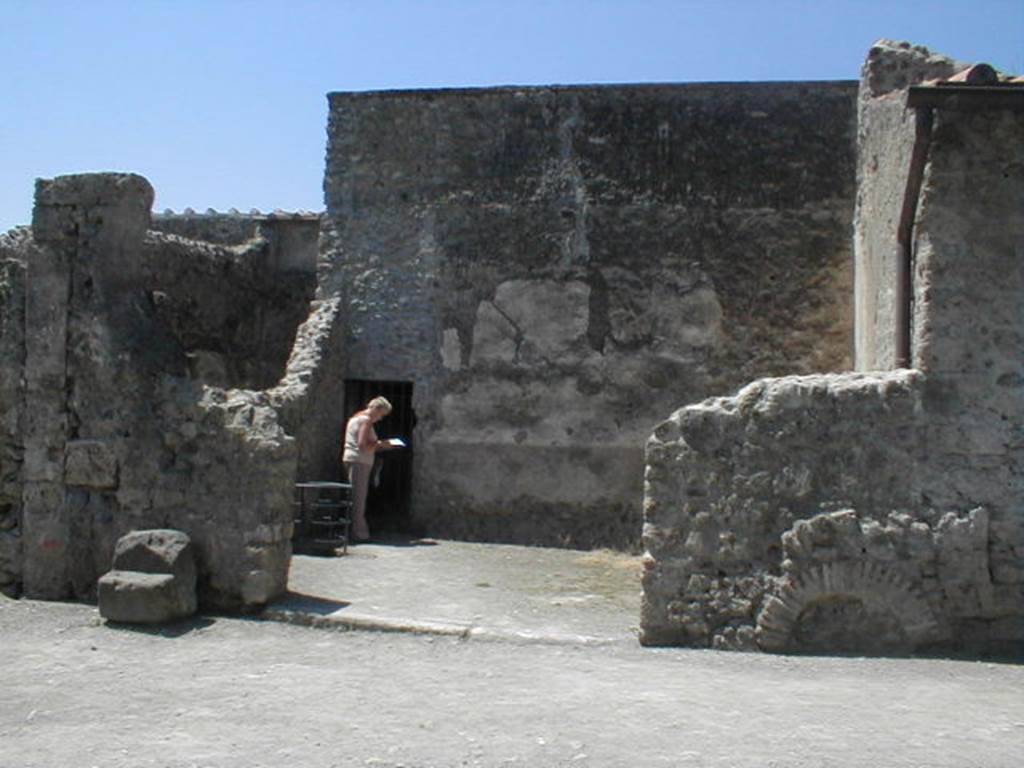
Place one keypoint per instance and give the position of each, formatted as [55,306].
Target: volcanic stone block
[157,551]
[145,598]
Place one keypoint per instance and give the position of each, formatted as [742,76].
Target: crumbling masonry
[875,511]
[111,332]
[548,272]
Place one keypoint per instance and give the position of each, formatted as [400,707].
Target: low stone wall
[797,516]
[232,228]
[729,479]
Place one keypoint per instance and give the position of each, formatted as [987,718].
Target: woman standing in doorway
[361,443]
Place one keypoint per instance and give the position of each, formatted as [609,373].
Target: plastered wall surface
[885,139]
[869,512]
[550,267]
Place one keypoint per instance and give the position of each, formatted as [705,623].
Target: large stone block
[153,580]
[157,551]
[144,598]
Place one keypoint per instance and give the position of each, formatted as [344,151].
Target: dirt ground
[228,692]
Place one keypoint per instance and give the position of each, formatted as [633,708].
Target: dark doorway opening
[387,503]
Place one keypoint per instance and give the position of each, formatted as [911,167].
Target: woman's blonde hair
[379,403]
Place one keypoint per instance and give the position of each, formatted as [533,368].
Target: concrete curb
[357,621]
[349,621]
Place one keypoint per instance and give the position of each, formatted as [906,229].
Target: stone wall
[232,228]
[235,318]
[882,512]
[234,288]
[968,334]
[13,250]
[311,388]
[729,483]
[885,137]
[552,267]
[287,241]
[116,434]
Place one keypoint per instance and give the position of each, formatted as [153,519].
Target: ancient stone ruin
[552,270]
[120,343]
[874,511]
[537,277]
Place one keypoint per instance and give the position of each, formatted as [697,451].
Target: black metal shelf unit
[323,516]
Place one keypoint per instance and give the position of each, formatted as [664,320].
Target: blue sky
[221,103]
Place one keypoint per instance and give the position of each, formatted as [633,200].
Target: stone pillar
[84,226]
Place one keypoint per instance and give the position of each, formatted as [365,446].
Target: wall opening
[388,501]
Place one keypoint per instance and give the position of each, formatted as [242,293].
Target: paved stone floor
[475,590]
[222,692]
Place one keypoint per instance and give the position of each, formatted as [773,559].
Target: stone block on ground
[158,550]
[145,598]
[153,579]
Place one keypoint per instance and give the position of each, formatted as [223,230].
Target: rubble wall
[234,288]
[289,240]
[879,512]
[234,316]
[211,227]
[310,389]
[552,267]
[117,436]
[13,256]
[740,495]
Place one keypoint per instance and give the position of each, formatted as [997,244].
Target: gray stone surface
[157,551]
[234,693]
[133,597]
[885,137]
[470,590]
[13,251]
[109,433]
[550,267]
[90,463]
[228,307]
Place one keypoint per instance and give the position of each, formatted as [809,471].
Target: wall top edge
[577,88]
[210,213]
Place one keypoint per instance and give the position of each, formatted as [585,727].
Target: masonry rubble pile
[552,270]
